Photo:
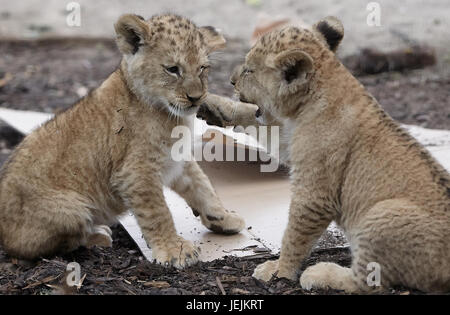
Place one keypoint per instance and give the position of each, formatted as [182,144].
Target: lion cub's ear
[331,30]
[131,32]
[295,66]
[213,39]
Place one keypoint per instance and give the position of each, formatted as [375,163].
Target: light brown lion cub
[350,162]
[110,152]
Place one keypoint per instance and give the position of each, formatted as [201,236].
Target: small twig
[43,281]
[260,255]
[126,281]
[80,283]
[219,284]
[239,291]
[55,262]
[126,269]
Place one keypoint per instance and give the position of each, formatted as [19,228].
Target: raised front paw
[266,270]
[178,253]
[227,223]
[212,115]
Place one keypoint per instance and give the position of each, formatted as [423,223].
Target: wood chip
[55,262]
[126,281]
[229,278]
[257,256]
[219,284]
[228,268]
[157,284]
[239,291]
[43,281]
[80,283]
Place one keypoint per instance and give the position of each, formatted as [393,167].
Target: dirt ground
[50,75]
[122,270]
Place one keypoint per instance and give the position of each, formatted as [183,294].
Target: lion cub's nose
[193,99]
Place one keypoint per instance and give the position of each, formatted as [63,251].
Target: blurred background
[53,52]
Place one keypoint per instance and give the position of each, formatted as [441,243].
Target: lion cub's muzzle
[189,105]
[194,100]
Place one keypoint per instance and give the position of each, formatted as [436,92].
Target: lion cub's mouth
[258,112]
[243,99]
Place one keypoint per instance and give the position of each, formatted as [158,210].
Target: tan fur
[350,162]
[111,152]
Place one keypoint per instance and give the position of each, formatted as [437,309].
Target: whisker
[233,112]
[216,56]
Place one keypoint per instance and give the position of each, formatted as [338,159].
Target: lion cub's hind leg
[55,223]
[410,246]
[100,236]
[327,275]
[390,247]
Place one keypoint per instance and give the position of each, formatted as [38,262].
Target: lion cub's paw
[101,236]
[179,253]
[266,270]
[230,223]
[212,115]
[326,275]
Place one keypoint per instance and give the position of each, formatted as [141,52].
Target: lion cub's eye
[173,70]
[247,71]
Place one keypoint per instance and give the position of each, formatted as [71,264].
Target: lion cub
[110,152]
[350,162]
